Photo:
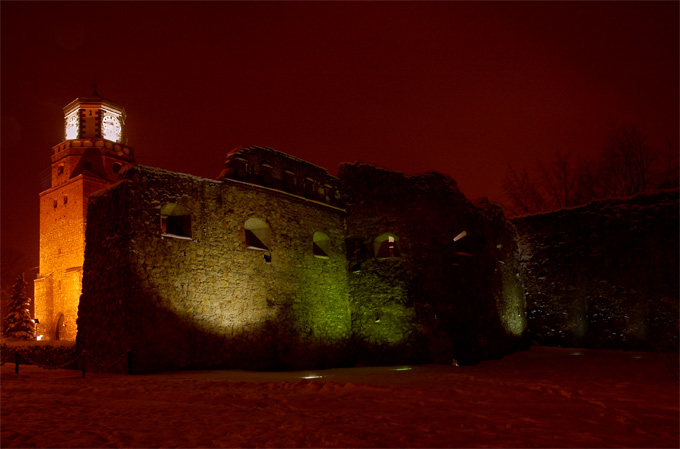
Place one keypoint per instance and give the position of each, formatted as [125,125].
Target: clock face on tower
[72,126]
[111,128]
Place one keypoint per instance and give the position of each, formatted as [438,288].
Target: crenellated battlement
[270,168]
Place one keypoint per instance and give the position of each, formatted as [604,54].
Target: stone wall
[80,167]
[185,272]
[207,299]
[428,297]
[604,275]
[62,249]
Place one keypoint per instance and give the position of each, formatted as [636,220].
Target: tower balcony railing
[104,144]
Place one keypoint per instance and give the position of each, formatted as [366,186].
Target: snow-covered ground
[545,397]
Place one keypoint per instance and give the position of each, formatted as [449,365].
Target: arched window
[386,246]
[321,245]
[175,220]
[258,234]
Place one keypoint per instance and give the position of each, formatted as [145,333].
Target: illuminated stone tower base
[88,159]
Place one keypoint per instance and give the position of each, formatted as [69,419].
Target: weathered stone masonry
[604,275]
[209,300]
[278,264]
[89,158]
[408,270]
[79,168]
[442,299]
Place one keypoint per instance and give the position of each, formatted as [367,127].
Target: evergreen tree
[18,322]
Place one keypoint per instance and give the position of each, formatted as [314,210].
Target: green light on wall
[391,325]
[515,323]
[511,305]
[325,306]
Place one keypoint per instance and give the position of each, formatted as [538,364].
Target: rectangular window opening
[176,225]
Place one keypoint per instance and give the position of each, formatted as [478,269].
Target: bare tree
[669,173]
[587,183]
[524,193]
[559,180]
[626,163]
[561,183]
[626,166]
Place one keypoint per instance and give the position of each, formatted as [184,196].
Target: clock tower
[89,158]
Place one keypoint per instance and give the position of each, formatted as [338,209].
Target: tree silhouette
[14,262]
[524,192]
[18,323]
[627,165]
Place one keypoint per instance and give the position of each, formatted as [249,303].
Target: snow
[15,342]
[544,397]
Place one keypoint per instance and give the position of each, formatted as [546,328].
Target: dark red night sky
[464,88]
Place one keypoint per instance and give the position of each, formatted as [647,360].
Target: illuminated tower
[88,159]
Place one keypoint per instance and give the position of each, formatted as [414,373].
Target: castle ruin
[278,265]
